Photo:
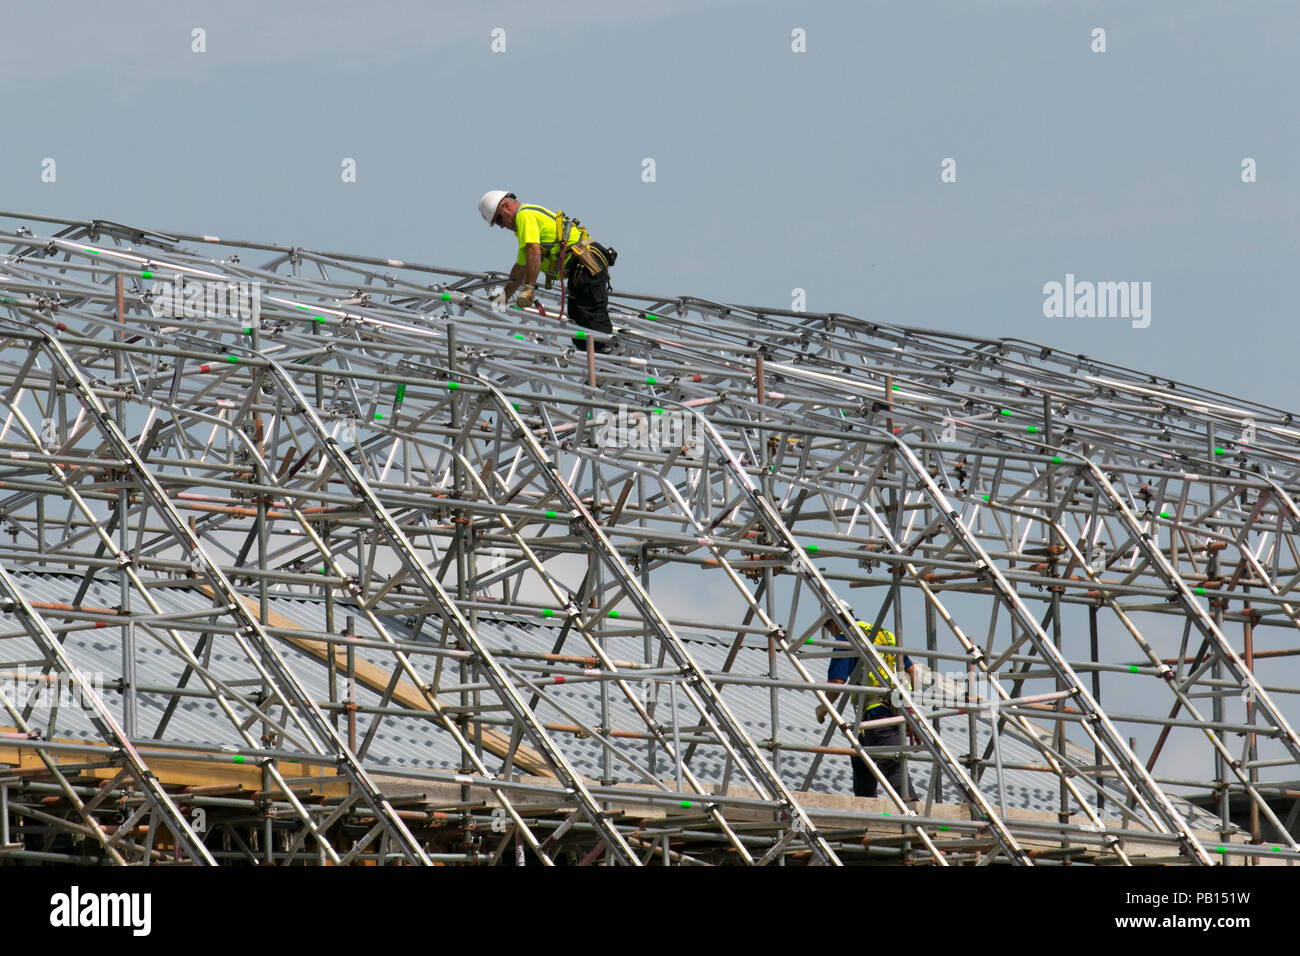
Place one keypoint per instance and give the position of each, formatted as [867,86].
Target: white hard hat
[487,206]
[841,606]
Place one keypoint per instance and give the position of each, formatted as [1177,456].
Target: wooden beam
[405,693]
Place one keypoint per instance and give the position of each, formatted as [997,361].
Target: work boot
[602,345]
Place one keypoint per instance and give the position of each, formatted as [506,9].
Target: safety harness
[883,639]
[586,252]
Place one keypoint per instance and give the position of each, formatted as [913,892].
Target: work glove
[499,300]
[525,299]
[821,713]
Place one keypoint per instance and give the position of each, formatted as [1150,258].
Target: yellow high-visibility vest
[537,224]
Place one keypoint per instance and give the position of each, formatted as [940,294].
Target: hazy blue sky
[774,169]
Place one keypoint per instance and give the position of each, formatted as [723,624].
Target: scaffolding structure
[252,526]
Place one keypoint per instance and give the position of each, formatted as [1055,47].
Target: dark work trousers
[864,781]
[588,297]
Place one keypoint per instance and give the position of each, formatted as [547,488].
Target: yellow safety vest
[883,638]
[537,224]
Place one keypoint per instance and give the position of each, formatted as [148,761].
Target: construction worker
[553,245]
[877,707]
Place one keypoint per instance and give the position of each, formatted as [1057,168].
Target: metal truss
[380,444]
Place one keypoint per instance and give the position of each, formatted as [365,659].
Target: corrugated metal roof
[408,742]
